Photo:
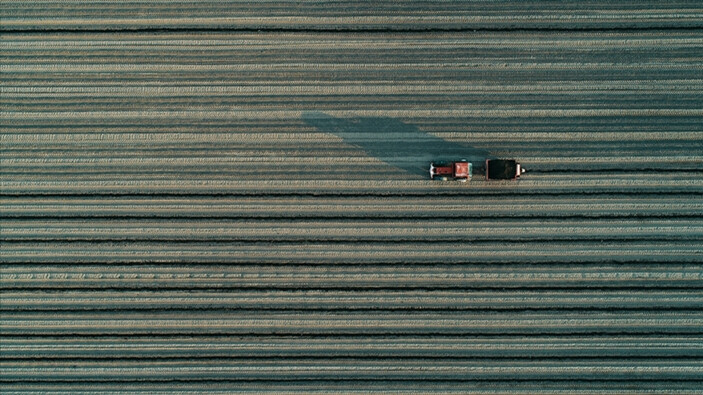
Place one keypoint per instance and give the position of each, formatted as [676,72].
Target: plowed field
[234,196]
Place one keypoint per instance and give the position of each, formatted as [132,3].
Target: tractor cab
[460,170]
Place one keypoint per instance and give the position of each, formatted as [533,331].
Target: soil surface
[234,196]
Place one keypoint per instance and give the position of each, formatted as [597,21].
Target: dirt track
[230,196]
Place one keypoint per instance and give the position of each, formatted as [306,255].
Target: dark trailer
[503,169]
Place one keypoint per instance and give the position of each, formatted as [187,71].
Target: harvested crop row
[335,300]
[350,323]
[534,185]
[360,347]
[674,251]
[336,369]
[431,276]
[391,207]
[352,230]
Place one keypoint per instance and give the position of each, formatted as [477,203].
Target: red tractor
[460,171]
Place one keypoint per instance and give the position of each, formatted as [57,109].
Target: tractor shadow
[396,143]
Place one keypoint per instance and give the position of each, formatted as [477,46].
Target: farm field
[229,196]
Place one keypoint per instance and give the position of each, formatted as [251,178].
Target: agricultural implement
[496,169]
